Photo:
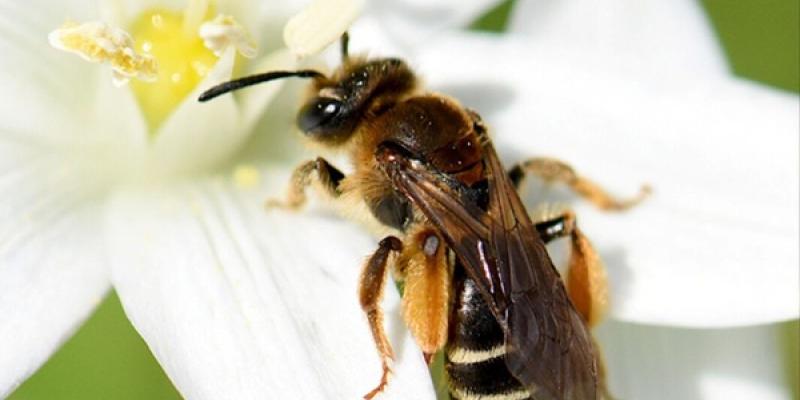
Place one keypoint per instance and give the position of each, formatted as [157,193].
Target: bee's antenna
[344,42]
[251,80]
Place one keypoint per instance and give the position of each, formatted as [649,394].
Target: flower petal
[123,12]
[52,266]
[52,269]
[642,37]
[196,135]
[410,23]
[50,97]
[647,362]
[716,245]
[236,302]
[254,101]
[39,93]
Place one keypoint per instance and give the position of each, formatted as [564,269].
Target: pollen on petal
[223,32]
[98,42]
[319,25]
[246,176]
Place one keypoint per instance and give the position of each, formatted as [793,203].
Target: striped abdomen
[475,351]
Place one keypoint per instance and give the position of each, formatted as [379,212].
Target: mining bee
[478,281]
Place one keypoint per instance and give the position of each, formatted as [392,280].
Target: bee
[478,281]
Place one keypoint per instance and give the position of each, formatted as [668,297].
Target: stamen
[319,24]
[223,32]
[98,42]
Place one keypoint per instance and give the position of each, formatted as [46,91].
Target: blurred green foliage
[761,39]
[107,359]
[496,19]
[790,341]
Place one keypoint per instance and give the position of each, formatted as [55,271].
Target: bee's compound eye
[317,113]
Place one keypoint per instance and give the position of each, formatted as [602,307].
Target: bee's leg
[424,268]
[551,170]
[370,292]
[586,281]
[327,176]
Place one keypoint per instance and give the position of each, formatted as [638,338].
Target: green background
[106,358]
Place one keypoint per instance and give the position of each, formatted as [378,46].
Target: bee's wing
[549,348]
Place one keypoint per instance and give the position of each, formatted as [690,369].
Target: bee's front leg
[370,292]
[328,177]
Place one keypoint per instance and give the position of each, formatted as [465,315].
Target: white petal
[646,362]
[239,303]
[411,23]
[196,135]
[391,28]
[369,36]
[50,98]
[50,284]
[52,265]
[124,12]
[649,36]
[276,137]
[265,20]
[41,94]
[716,245]
[254,100]
[117,135]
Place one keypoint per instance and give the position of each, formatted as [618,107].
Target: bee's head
[357,89]
[338,103]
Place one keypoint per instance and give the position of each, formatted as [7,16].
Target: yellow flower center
[183,60]
[172,52]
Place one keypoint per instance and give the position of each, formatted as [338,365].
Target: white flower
[97,189]
[144,189]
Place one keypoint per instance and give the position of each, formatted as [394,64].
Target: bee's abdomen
[475,352]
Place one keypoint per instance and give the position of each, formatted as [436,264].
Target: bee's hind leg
[586,275]
[586,280]
[551,170]
[425,269]
[328,177]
